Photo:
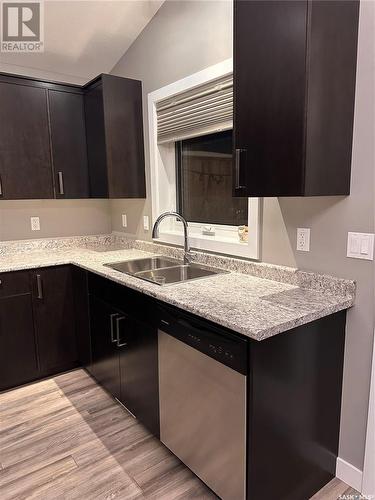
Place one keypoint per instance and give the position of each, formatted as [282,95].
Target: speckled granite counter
[257,300]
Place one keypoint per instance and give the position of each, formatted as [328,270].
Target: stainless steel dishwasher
[202,389]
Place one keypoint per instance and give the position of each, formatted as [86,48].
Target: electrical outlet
[35,223]
[124,220]
[146,225]
[303,239]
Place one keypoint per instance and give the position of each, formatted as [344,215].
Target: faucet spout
[155,232]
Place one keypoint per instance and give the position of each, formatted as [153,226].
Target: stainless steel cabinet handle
[39,286]
[1,187]
[61,182]
[238,169]
[118,331]
[111,317]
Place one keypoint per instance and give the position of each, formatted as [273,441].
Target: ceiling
[83,38]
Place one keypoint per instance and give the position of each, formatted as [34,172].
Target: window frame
[164,188]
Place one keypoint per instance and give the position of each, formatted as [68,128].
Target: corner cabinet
[37,324]
[294,89]
[114,123]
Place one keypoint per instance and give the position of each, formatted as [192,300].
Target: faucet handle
[188,257]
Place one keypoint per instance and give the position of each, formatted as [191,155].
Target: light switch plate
[360,246]
[35,223]
[124,220]
[146,225]
[303,239]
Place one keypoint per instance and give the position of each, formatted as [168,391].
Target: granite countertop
[251,305]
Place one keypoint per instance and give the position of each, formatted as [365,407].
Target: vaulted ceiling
[82,38]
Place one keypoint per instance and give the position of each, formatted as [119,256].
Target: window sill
[218,244]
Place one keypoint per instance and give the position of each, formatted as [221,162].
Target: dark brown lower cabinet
[18,355]
[105,362]
[294,403]
[124,348]
[139,372]
[55,318]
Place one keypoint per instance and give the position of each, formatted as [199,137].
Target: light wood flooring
[65,438]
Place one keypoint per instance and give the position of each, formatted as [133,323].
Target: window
[204,181]
[190,125]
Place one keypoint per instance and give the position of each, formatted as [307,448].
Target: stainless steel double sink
[164,270]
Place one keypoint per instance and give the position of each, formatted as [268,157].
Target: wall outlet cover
[35,223]
[303,239]
[146,225]
[360,246]
[124,220]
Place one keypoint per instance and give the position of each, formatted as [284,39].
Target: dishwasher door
[203,415]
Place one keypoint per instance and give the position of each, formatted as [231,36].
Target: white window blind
[203,110]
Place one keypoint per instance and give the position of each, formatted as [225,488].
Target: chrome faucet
[155,233]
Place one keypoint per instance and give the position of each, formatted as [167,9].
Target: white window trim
[163,182]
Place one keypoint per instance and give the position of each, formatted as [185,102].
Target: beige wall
[185,37]
[57,218]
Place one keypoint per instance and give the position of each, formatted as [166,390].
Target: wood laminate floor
[65,438]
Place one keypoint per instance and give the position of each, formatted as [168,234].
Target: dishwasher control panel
[221,351]
[208,338]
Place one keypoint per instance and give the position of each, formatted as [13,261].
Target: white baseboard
[349,474]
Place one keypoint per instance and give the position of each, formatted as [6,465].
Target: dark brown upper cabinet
[68,144]
[114,128]
[25,161]
[294,89]
[43,140]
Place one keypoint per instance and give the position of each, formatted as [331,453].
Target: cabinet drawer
[121,297]
[14,283]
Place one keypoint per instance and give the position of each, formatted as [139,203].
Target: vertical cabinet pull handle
[39,286]
[61,182]
[111,317]
[1,187]
[119,344]
[238,169]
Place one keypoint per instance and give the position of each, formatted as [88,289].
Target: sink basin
[163,270]
[178,274]
[145,264]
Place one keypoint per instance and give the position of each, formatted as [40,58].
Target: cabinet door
[68,139]
[81,301]
[96,144]
[139,371]
[25,161]
[105,363]
[18,361]
[269,96]
[55,318]
[122,99]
